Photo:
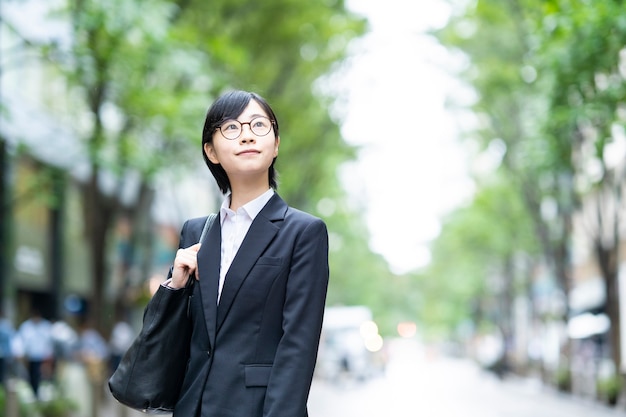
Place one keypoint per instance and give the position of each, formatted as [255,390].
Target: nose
[246,133]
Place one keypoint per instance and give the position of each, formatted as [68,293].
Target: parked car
[350,347]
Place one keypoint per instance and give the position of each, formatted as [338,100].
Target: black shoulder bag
[151,372]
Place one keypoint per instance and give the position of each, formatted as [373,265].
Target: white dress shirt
[235,225]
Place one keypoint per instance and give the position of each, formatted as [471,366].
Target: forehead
[253,109]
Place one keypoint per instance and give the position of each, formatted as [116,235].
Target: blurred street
[420,384]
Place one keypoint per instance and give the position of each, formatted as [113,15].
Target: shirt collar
[252,208]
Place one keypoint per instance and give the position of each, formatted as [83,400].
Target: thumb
[195,247]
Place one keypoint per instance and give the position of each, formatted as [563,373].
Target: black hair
[229,106]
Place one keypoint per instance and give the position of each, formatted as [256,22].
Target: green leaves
[549,81]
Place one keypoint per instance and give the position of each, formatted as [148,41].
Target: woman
[262,274]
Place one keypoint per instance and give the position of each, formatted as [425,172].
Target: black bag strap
[207,225]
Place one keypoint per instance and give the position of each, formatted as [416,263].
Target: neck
[241,196]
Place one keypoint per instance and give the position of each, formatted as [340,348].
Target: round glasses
[231,129]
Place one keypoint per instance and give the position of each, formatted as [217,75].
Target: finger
[185,258]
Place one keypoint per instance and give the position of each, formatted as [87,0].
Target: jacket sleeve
[290,382]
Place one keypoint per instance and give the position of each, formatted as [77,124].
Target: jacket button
[208,352]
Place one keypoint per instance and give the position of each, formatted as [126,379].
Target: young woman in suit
[262,274]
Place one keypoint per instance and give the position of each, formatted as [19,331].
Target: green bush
[563,379]
[608,388]
[56,407]
[26,407]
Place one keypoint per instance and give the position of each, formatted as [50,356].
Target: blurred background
[468,157]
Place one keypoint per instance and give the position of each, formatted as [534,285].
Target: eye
[260,122]
[230,125]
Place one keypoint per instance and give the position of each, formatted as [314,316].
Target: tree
[582,49]
[550,83]
[125,88]
[512,101]
[140,79]
[477,269]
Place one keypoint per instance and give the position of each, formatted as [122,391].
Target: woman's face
[250,154]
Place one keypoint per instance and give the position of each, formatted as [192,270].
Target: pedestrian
[122,336]
[91,347]
[37,347]
[65,341]
[262,272]
[7,333]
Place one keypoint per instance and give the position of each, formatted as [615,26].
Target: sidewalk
[520,394]
[420,389]
[532,388]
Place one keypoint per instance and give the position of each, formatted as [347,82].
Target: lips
[248,152]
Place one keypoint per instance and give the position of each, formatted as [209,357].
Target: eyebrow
[252,116]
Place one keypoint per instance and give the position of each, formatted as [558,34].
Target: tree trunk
[555,247]
[608,206]
[608,263]
[99,215]
[140,236]
[56,234]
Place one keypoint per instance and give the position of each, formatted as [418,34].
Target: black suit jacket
[254,354]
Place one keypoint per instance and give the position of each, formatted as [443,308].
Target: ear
[276,146]
[209,151]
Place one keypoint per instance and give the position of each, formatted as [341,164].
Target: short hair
[229,106]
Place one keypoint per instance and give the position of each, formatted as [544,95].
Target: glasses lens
[260,126]
[231,129]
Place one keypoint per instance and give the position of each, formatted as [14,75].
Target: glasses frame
[241,124]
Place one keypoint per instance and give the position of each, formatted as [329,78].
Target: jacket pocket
[257,375]
[269,260]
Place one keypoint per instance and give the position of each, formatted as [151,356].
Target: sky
[411,168]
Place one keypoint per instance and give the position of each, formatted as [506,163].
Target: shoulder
[305,224]
[194,223]
[293,214]
[278,209]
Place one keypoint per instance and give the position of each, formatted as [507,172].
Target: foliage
[563,378]
[549,83]
[56,407]
[26,404]
[469,254]
[488,239]
[609,388]
[583,51]
[140,78]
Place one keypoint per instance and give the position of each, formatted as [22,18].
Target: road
[418,385]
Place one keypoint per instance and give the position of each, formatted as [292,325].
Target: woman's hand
[185,264]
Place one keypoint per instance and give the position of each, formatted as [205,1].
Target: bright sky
[411,169]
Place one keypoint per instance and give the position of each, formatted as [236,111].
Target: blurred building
[40,161]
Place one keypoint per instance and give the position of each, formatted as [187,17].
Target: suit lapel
[209,274]
[261,233]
